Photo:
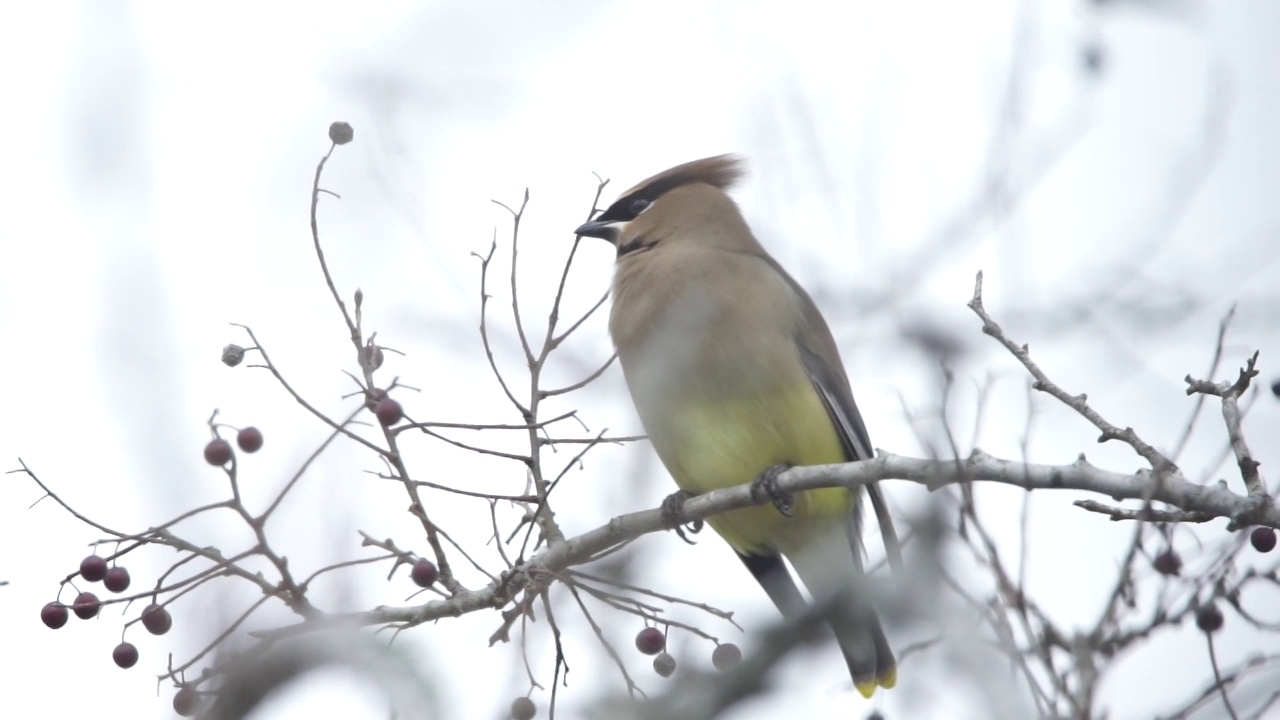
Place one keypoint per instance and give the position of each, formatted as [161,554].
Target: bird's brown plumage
[733,369]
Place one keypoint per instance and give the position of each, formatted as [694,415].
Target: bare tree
[535,571]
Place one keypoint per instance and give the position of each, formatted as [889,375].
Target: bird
[735,376]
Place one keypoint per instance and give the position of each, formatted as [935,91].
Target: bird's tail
[829,563]
[866,651]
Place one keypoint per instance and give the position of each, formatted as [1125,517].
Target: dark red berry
[93,568]
[651,641]
[1168,563]
[117,579]
[125,655]
[217,452]
[249,439]
[1209,618]
[86,605]
[424,573]
[54,615]
[388,411]
[726,656]
[664,664]
[1263,539]
[522,708]
[156,619]
[185,702]
[340,133]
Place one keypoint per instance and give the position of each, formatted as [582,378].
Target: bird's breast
[718,381]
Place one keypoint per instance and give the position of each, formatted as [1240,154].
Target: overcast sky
[1110,166]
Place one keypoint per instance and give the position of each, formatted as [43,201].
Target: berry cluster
[1209,618]
[218,452]
[652,641]
[115,578]
[86,606]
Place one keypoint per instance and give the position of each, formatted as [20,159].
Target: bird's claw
[765,489]
[673,515]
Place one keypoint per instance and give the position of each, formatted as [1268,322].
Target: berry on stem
[86,605]
[651,641]
[249,439]
[217,452]
[1263,539]
[117,579]
[1209,618]
[185,702]
[93,568]
[725,656]
[125,655]
[424,573]
[54,615]
[1168,563]
[522,708]
[156,619]
[388,411]
[664,664]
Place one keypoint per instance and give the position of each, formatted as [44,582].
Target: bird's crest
[721,171]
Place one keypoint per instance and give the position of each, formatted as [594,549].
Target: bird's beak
[607,231]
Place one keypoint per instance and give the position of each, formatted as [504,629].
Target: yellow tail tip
[886,681]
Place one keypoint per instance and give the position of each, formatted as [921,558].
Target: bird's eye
[639,205]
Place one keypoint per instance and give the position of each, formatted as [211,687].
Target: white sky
[154,188]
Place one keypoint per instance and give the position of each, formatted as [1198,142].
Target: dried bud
[371,356]
[341,133]
[232,355]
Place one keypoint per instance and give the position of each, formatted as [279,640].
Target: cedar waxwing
[734,374]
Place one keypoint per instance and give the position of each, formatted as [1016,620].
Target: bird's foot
[765,489]
[673,515]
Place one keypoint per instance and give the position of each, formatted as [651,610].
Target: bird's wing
[857,444]
[822,364]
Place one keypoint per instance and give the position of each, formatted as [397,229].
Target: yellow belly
[714,442]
